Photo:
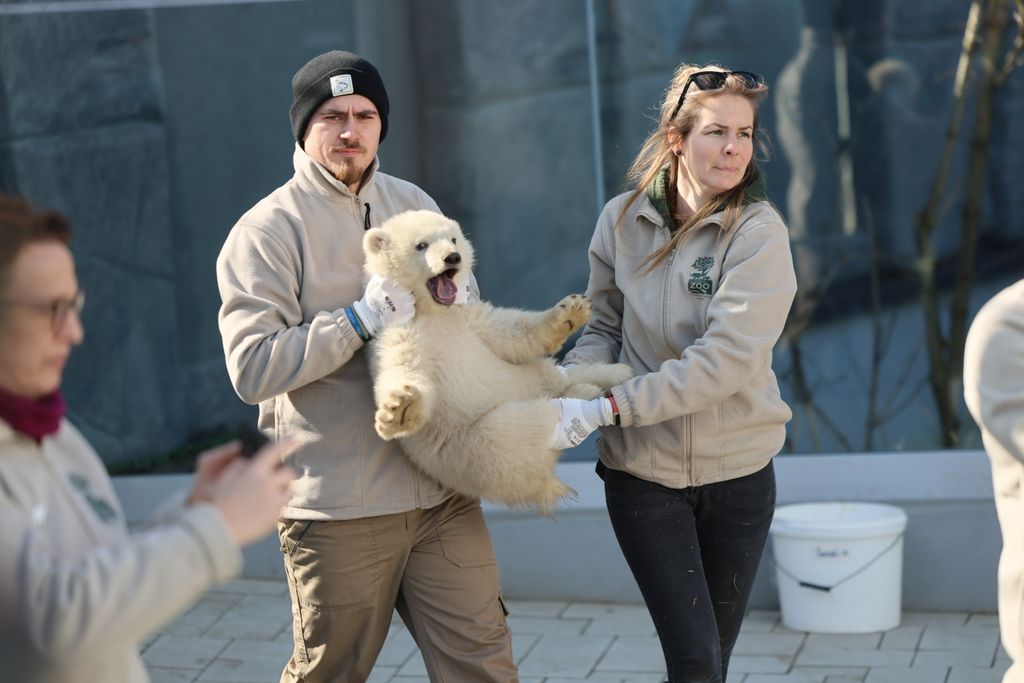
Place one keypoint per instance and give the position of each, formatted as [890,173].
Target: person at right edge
[994,393]
[691,279]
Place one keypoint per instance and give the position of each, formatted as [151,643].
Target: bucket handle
[826,589]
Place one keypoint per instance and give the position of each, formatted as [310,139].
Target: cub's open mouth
[443,288]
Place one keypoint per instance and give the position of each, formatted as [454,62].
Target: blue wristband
[356,324]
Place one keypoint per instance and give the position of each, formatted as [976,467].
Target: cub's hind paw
[398,412]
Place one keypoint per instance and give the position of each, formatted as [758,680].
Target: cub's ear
[375,241]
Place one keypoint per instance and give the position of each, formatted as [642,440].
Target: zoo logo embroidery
[699,283]
[103,509]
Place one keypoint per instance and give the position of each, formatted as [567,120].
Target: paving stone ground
[241,633]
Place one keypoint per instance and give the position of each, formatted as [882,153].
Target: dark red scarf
[34,418]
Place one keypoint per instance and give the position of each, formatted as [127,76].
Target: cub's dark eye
[453,240]
[421,246]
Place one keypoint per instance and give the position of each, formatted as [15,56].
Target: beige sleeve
[994,372]
[117,594]
[268,347]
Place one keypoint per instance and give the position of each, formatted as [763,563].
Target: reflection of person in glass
[691,279]
[77,594]
[994,392]
[365,531]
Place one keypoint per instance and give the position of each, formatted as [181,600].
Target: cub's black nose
[453,259]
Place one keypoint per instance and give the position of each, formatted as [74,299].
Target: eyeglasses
[713,80]
[59,309]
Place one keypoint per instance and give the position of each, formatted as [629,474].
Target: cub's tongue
[443,288]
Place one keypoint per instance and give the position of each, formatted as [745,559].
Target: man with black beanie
[364,532]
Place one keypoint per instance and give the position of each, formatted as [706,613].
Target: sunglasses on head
[713,80]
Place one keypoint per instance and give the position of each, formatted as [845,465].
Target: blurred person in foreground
[994,393]
[77,593]
[692,279]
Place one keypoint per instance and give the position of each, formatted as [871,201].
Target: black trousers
[694,553]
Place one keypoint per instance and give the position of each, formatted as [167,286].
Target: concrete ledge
[951,545]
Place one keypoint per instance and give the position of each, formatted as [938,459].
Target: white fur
[466,388]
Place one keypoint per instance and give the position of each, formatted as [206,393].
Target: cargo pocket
[463,535]
[333,563]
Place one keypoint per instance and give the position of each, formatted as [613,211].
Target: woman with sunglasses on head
[692,279]
[77,594]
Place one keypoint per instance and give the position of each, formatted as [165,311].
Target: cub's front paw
[398,412]
[604,375]
[617,374]
[573,311]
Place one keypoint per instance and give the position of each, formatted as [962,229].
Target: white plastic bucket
[839,566]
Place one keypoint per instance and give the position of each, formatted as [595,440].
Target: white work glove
[577,419]
[462,283]
[384,303]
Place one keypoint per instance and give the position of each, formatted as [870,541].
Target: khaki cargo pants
[436,567]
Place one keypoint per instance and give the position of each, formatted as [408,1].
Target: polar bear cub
[466,387]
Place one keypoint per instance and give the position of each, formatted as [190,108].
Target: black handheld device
[252,439]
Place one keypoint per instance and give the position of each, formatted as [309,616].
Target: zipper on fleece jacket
[686,469]
[688,448]
[664,303]
[362,212]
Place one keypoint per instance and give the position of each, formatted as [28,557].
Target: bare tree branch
[927,220]
[1013,56]
[988,86]
[877,356]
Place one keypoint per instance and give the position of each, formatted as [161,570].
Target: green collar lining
[658,195]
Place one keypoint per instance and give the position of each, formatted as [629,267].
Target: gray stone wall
[84,133]
[154,130]
[226,76]
[507,139]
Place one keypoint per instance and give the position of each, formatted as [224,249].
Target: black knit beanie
[329,75]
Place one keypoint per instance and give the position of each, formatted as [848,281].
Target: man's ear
[375,241]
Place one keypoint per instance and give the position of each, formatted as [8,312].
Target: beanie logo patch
[341,85]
